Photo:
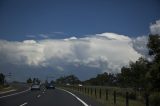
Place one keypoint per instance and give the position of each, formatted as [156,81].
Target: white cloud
[71,38]
[29,42]
[140,45]
[155,28]
[26,52]
[44,36]
[59,68]
[106,51]
[113,36]
[59,32]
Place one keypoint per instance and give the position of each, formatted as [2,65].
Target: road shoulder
[88,100]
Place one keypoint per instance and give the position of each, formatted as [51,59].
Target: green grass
[5,88]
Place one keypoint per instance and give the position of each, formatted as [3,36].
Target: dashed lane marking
[38,96]
[23,104]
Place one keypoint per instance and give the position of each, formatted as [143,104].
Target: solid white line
[7,91]
[85,104]
[15,93]
[23,104]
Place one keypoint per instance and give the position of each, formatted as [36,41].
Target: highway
[46,97]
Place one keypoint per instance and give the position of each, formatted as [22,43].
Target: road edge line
[15,93]
[85,104]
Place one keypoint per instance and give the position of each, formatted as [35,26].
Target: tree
[29,80]
[135,75]
[125,77]
[102,79]
[139,70]
[2,79]
[91,81]
[154,75]
[72,79]
[154,47]
[36,80]
[68,79]
[154,50]
[52,82]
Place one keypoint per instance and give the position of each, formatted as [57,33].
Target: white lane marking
[23,104]
[42,92]
[38,96]
[8,91]
[85,104]
[15,93]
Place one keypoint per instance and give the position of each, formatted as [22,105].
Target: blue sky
[19,18]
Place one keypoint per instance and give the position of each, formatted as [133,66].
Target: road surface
[47,97]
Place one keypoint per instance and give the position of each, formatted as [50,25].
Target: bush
[2,79]
[155,99]
[132,95]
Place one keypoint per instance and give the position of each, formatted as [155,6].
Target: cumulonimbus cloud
[106,51]
[155,28]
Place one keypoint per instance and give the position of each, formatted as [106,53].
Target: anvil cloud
[106,51]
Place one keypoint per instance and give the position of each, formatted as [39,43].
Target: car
[50,86]
[35,87]
[68,84]
[80,85]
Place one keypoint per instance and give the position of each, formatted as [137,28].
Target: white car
[80,85]
[35,87]
[68,84]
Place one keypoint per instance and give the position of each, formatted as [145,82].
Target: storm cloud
[106,52]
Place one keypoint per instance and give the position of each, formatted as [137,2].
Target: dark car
[50,86]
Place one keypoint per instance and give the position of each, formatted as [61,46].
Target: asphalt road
[47,97]
[15,87]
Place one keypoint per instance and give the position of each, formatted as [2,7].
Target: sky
[40,38]
[65,18]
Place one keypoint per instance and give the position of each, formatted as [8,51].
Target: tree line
[34,80]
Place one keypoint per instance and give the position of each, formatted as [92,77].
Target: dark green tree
[102,79]
[52,82]
[154,47]
[138,73]
[135,75]
[2,79]
[36,80]
[154,50]
[72,79]
[125,77]
[29,80]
